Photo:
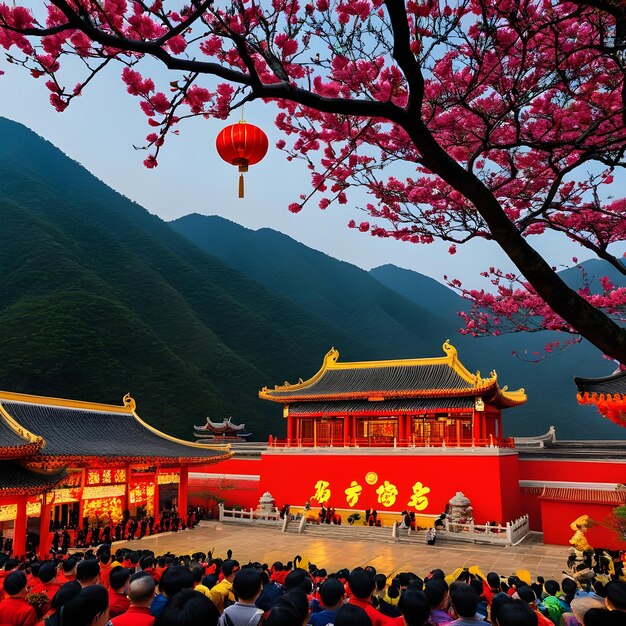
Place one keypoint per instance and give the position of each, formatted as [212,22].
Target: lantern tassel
[241,193]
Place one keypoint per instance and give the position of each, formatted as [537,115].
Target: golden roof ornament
[129,402]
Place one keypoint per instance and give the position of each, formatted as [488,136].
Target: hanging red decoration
[242,144]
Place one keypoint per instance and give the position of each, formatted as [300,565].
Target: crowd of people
[138,588]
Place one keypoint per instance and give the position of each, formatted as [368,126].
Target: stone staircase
[371,534]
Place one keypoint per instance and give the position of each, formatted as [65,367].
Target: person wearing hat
[14,610]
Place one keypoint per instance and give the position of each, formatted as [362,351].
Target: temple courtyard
[268,545]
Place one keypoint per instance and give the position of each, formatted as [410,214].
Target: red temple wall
[532,506]
[234,480]
[491,483]
[292,479]
[557,517]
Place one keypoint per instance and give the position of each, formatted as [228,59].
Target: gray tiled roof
[614,384]
[9,438]
[394,378]
[391,406]
[70,432]
[14,477]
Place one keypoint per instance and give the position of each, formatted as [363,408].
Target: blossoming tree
[461,119]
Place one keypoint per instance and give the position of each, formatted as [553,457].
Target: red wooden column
[81,502]
[19,531]
[155,499]
[44,526]
[127,495]
[402,428]
[183,487]
[476,420]
[346,430]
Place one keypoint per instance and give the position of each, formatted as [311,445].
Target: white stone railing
[509,535]
[247,516]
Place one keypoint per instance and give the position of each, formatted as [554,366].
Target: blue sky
[99,130]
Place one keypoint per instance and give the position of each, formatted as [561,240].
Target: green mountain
[333,290]
[99,298]
[412,322]
[520,360]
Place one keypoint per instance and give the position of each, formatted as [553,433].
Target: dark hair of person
[569,588]
[362,584]
[105,557]
[118,577]
[616,594]
[197,572]
[69,564]
[210,580]
[598,587]
[14,582]
[493,580]
[602,617]
[174,579]
[477,586]
[497,602]
[537,589]
[146,562]
[464,600]
[85,606]
[381,581]
[188,608]
[436,589]
[87,570]
[437,573]
[393,592]
[229,566]
[65,593]
[415,607]
[352,615]
[526,594]
[552,587]
[290,610]
[10,564]
[516,614]
[134,558]
[47,571]
[247,583]
[331,592]
[298,579]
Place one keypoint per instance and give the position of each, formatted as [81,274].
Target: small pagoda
[225,429]
[607,393]
[412,402]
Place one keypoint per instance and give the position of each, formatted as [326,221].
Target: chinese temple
[417,402]
[64,461]
[409,434]
[221,430]
[608,394]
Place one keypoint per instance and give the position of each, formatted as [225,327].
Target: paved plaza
[267,545]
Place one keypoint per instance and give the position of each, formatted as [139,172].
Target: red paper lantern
[243,145]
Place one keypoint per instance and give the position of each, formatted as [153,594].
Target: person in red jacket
[47,583]
[118,592]
[362,584]
[141,594]
[14,610]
